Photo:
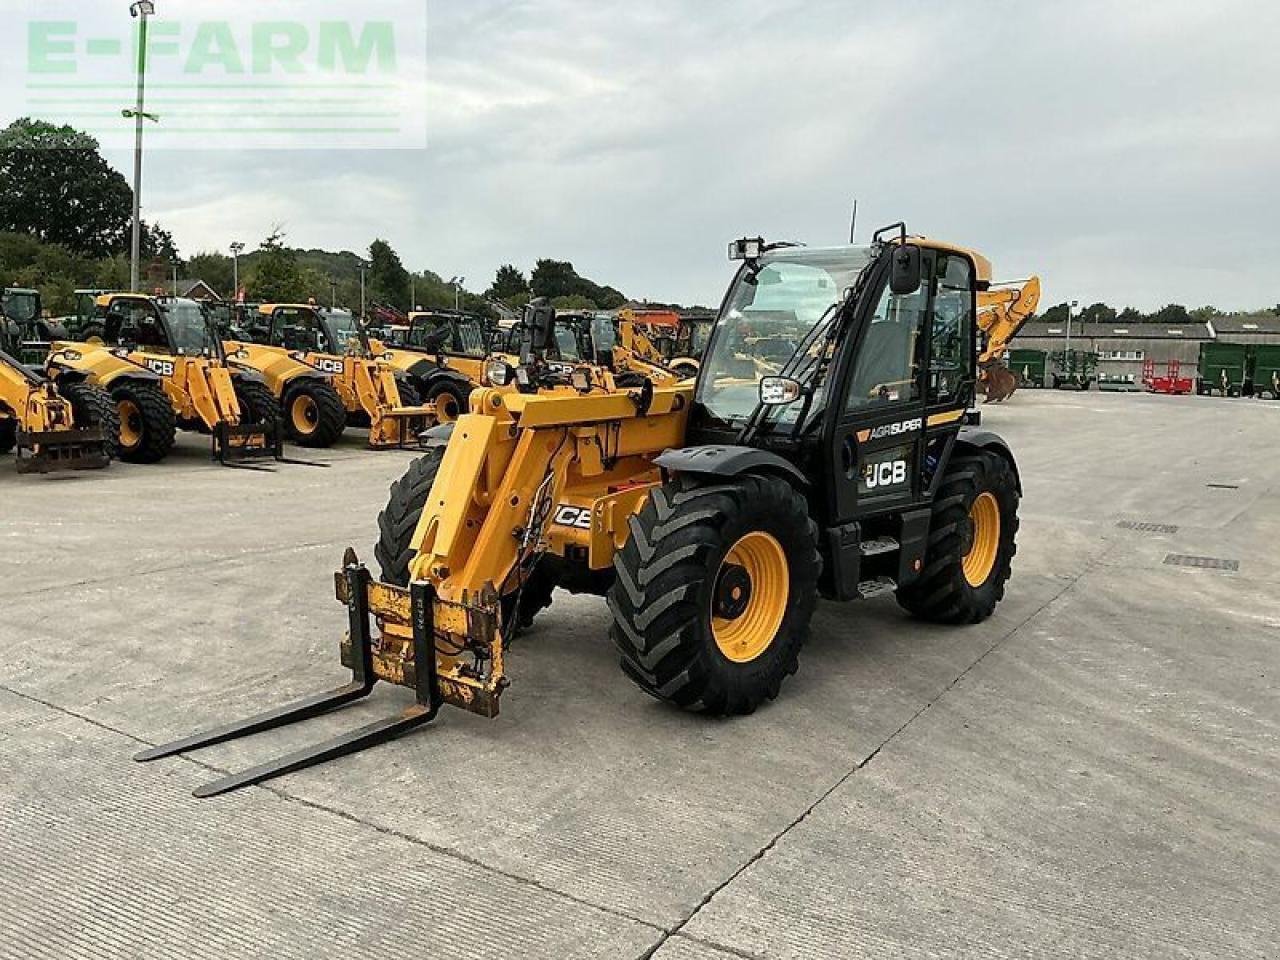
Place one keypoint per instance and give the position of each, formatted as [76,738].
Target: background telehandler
[335,344]
[50,429]
[713,515]
[164,366]
[442,353]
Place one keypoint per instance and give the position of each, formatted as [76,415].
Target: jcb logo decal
[577,517]
[162,367]
[886,474]
[329,366]
[890,430]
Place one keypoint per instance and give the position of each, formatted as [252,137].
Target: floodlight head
[143,8]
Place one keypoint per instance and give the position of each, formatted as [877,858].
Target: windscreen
[767,318]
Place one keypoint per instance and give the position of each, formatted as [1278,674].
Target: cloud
[1125,152]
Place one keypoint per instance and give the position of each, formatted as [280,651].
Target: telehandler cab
[334,344]
[827,448]
[164,366]
[49,428]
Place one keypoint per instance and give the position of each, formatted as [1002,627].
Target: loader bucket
[60,450]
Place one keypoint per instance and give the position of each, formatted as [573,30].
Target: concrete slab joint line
[760,854]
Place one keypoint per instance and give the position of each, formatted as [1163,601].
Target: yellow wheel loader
[335,345]
[1003,310]
[442,354]
[165,368]
[52,429]
[712,515]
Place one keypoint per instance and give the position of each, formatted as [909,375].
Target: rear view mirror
[779,391]
[906,274]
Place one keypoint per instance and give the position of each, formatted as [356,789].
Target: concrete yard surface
[1095,772]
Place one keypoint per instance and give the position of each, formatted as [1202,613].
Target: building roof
[196,289]
[1039,329]
[1248,323]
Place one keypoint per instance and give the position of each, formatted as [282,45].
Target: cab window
[887,369]
[951,348]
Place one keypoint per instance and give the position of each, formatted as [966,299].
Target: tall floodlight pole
[1070,310]
[363,306]
[237,248]
[140,11]
[457,292]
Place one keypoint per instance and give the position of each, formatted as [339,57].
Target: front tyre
[314,416]
[148,425]
[714,593]
[93,407]
[972,542]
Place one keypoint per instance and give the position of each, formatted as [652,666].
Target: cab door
[879,430]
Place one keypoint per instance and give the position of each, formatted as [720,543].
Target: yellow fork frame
[509,466]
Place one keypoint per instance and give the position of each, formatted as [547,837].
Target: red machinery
[1172,383]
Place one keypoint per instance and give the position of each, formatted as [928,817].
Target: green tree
[558,278]
[1098,313]
[575,302]
[1056,314]
[388,280]
[56,187]
[1174,313]
[509,285]
[1130,315]
[216,270]
[276,274]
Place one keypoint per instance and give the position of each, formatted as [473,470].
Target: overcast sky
[1125,151]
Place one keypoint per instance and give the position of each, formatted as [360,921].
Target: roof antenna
[853,224]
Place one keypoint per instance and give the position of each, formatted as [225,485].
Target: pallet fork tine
[362,683]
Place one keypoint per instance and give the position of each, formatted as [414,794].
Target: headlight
[581,379]
[523,377]
[498,373]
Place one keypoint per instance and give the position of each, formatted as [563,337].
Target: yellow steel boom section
[1003,311]
[513,467]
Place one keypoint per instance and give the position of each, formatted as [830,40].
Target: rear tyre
[450,399]
[972,543]
[8,435]
[715,589]
[685,371]
[93,407]
[148,426]
[313,414]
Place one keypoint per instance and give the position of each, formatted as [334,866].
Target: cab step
[875,548]
[877,587]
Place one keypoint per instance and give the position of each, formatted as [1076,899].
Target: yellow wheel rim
[750,597]
[980,561]
[305,415]
[130,424]
[447,408]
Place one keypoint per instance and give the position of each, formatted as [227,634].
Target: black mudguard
[974,440]
[729,461]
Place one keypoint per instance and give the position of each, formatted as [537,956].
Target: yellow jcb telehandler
[442,354]
[667,338]
[51,428]
[1003,310]
[334,344]
[165,368]
[712,514]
